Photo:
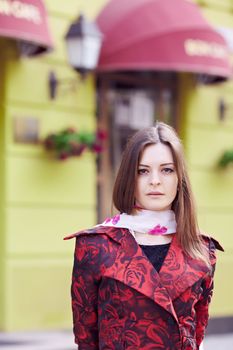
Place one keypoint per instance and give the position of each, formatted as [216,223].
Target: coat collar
[133,268]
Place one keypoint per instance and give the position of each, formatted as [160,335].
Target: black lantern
[83,41]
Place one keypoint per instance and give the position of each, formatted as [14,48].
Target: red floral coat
[120,301]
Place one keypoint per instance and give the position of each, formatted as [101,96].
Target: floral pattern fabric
[120,301]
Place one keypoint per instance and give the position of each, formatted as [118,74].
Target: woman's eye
[168,170]
[142,171]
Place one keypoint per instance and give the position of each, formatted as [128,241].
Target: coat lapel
[180,271]
[133,268]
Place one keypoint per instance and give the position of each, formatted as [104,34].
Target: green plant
[225,159]
[72,143]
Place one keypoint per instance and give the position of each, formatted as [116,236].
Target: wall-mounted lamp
[83,42]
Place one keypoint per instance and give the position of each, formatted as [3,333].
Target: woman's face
[157,180]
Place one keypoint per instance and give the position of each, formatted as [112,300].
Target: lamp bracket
[70,84]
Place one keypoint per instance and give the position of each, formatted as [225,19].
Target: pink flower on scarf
[107,220]
[115,219]
[158,230]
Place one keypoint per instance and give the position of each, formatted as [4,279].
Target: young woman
[143,279]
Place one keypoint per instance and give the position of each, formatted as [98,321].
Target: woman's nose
[155,178]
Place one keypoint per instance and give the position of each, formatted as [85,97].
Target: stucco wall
[2,197]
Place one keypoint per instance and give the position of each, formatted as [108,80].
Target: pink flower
[101,134]
[97,148]
[63,155]
[49,142]
[158,230]
[77,149]
[115,219]
[107,220]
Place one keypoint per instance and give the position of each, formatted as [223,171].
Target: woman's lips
[155,194]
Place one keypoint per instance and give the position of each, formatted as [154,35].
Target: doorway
[126,103]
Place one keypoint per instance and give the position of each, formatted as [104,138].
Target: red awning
[26,21]
[161,35]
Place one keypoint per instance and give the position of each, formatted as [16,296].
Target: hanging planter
[72,143]
[226,159]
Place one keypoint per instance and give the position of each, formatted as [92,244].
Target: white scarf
[147,224]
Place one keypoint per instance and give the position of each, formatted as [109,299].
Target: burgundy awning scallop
[169,35]
[26,21]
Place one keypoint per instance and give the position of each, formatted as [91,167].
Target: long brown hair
[183,205]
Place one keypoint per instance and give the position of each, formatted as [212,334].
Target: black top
[156,254]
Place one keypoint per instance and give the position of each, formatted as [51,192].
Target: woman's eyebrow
[167,164]
[162,164]
[147,166]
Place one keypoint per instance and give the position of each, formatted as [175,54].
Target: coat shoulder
[81,233]
[212,243]
[113,233]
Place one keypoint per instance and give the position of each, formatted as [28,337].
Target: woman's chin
[156,207]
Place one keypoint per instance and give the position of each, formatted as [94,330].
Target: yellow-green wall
[2,183]
[43,199]
[206,138]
